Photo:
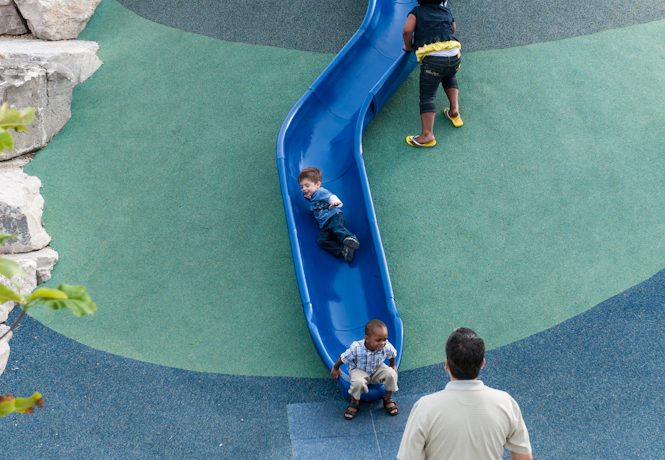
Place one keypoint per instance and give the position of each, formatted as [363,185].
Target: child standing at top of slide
[334,237]
[429,30]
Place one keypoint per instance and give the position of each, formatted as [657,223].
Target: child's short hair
[313,174]
[373,325]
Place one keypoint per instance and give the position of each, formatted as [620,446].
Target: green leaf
[27,117]
[77,307]
[9,268]
[11,118]
[5,236]
[77,301]
[18,120]
[6,141]
[47,293]
[10,404]
[7,294]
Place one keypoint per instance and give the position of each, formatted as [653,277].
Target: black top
[434,23]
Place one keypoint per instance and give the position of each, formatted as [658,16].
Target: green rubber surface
[162,195]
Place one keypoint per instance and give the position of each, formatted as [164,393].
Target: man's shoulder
[497,393]
[432,398]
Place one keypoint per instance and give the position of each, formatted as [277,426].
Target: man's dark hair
[373,325]
[429,2]
[465,352]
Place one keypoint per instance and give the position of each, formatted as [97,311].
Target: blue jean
[331,236]
[435,70]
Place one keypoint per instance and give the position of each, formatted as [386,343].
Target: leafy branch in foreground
[65,296]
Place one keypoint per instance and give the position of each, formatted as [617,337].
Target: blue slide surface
[324,129]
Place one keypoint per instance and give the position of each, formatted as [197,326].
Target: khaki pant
[360,379]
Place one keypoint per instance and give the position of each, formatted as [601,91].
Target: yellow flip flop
[456,121]
[414,143]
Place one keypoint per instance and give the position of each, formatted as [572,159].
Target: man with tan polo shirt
[466,420]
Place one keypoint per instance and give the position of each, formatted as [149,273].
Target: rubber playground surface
[539,224]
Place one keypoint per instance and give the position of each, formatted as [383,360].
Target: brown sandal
[351,411]
[390,406]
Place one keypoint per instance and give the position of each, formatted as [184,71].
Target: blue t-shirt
[320,206]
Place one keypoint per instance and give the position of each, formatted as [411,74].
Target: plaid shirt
[359,357]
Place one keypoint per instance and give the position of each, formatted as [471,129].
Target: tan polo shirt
[467,420]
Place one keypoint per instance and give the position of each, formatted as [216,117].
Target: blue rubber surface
[324,130]
[590,388]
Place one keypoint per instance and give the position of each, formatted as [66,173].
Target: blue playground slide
[324,129]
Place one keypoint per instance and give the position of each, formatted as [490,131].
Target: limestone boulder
[57,19]
[24,284]
[21,207]
[43,260]
[11,22]
[78,56]
[4,348]
[45,86]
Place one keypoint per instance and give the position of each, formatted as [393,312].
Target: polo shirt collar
[465,385]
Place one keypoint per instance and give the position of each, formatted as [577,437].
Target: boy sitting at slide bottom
[366,362]
[334,237]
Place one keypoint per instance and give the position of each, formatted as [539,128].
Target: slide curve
[324,129]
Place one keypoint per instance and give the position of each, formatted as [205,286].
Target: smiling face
[308,187]
[377,339]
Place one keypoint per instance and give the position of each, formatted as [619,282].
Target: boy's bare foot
[419,141]
[454,117]
[423,139]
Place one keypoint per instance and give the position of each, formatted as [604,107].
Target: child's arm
[392,354]
[454,27]
[335,372]
[335,201]
[407,32]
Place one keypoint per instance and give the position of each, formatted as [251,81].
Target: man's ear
[446,367]
[482,365]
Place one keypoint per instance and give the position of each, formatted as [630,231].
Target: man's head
[465,354]
[430,2]
[376,335]
[310,181]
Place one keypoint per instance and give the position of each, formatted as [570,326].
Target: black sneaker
[350,243]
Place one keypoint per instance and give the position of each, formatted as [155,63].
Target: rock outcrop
[21,207]
[45,86]
[78,56]
[11,22]
[56,19]
[39,74]
[4,348]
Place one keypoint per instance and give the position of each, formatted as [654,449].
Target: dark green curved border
[325,25]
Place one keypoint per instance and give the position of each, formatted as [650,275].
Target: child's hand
[335,203]
[335,373]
